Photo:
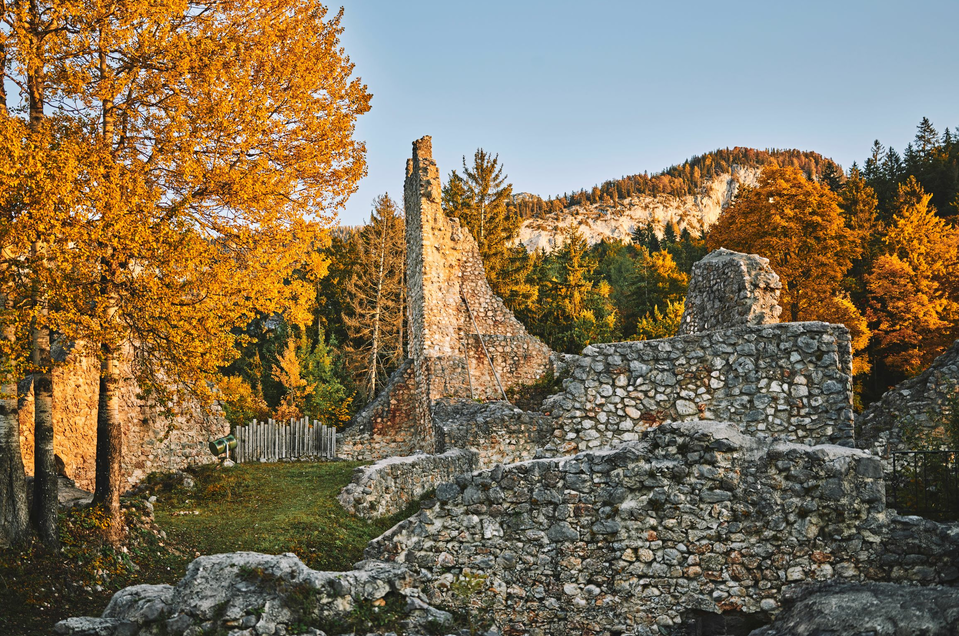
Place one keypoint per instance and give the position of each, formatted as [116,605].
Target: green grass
[272,508]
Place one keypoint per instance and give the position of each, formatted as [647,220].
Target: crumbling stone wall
[694,516]
[76,385]
[790,379]
[383,428]
[463,341]
[729,289]
[390,485]
[151,440]
[469,436]
[498,432]
[922,403]
[452,308]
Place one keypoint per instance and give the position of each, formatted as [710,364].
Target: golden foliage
[287,373]
[798,225]
[239,401]
[175,183]
[913,288]
[661,325]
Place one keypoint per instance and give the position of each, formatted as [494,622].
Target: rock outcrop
[250,594]
[607,221]
[870,609]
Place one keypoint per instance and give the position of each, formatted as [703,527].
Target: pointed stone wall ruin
[463,341]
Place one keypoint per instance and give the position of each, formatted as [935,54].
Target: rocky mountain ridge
[608,221]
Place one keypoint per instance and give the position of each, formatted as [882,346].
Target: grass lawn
[271,508]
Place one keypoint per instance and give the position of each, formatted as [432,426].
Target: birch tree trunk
[109,430]
[44,462]
[14,515]
[109,443]
[14,518]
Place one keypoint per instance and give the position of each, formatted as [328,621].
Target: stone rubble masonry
[923,403]
[151,441]
[493,432]
[390,485]
[792,380]
[383,428]
[499,432]
[250,594]
[458,329]
[694,516]
[729,289]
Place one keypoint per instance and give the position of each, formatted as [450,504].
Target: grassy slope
[271,508]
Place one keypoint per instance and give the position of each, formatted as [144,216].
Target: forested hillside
[687,178]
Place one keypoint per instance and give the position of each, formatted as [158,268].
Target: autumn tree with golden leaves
[913,287]
[219,128]
[798,225]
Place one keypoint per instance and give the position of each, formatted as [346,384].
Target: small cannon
[223,445]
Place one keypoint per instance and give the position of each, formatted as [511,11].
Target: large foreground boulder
[251,594]
[861,609]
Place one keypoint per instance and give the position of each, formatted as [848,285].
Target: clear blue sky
[570,94]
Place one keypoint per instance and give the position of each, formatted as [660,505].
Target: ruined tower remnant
[467,342]
[729,289]
[463,341]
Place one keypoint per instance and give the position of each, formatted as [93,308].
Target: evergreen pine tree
[481,198]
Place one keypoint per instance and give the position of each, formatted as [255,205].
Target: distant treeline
[931,158]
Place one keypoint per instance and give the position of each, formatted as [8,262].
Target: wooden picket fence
[271,441]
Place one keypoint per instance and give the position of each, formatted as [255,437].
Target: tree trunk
[109,431]
[109,443]
[44,462]
[14,522]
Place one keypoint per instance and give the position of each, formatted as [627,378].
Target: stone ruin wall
[728,289]
[498,432]
[384,428]
[151,441]
[791,379]
[76,385]
[922,403]
[452,310]
[390,485]
[694,516]
[451,314]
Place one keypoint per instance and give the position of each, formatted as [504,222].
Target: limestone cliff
[596,222]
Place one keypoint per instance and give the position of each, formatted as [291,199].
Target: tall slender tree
[376,293]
